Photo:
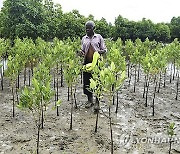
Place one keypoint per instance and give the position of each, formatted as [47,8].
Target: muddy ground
[135,130]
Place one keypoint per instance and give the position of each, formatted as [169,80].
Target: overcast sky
[155,10]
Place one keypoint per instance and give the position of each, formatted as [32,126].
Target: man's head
[90,26]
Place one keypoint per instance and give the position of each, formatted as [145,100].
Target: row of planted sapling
[115,54]
[58,54]
[72,70]
[31,53]
[153,58]
[40,87]
[173,58]
[60,59]
[35,97]
[153,64]
[20,55]
[69,65]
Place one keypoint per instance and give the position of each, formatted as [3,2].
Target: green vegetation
[42,18]
[145,62]
[41,42]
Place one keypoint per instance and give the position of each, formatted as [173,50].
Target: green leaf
[36,84]
[58,103]
[112,66]
[95,58]
[92,84]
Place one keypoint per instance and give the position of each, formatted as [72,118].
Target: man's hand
[102,51]
[81,53]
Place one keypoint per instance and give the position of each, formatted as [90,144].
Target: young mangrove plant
[135,59]
[116,55]
[158,64]
[146,65]
[13,68]
[110,87]
[36,97]
[71,72]
[171,134]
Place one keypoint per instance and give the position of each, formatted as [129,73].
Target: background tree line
[42,18]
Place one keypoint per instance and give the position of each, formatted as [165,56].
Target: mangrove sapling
[116,55]
[158,63]
[16,91]
[110,125]
[43,79]
[29,72]
[135,80]
[73,100]
[71,122]
[161,64]
[173,55]
[61,75]
[154,95]
[74,96]
[164,84]
[58,54]
[171,134]
[36,97]
[174,69]
[130,74]
[140,46]
[139,67]
[128,65]
[68,93]
[117,102]
[147,90]
[71,73]
[54,86]
[117,97]
[119,70]
[50,62]
[177,87]
[113,96]
[11,73]
[108,79]
[57,89]
[135,59]
[159,84]
[97,117]
[145,85]
[170,77]
[146,64]
[95,82]
[17,83]
[24,75]
[129,49]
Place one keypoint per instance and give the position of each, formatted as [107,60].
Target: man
[91,43]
